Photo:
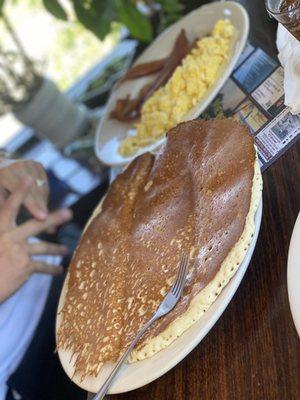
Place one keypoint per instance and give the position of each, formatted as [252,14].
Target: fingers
[47,248]
[41,180]
[43,177]
[34,227]
[51,230]
[36,205]
[37,199]
[11,176]
[44,268]
[3,196]
[12,204]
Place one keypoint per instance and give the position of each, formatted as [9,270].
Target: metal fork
[166,306]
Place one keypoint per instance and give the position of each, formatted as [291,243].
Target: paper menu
[254,95]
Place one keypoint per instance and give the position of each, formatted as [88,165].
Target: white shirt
[19,316]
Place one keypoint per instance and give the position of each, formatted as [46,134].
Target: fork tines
[181,277]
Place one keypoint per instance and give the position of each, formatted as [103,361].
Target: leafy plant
[19,77]
[19,81]
[99,15]
[54,7]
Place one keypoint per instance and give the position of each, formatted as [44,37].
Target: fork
[165,307]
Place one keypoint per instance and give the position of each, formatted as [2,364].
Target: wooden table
[253,351]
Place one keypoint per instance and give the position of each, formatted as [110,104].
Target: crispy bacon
[143,69]
[127,109]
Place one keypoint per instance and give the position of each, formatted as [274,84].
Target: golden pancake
[197,195]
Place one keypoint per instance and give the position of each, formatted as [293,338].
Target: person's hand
[16,264]
[13,173]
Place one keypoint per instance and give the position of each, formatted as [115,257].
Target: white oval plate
[293,274]
[198,23]
[133,376]
[143,372]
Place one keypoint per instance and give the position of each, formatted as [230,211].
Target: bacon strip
[143,69]
[127,109]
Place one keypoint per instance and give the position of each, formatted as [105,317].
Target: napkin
[289,56]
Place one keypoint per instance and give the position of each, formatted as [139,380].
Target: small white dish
[293,274]
[198,23]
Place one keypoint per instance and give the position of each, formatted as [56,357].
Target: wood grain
[253,351]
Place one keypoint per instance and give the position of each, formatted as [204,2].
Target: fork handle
[102,392]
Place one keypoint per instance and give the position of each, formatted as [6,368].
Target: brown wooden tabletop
[253,351]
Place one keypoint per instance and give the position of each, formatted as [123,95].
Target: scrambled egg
[190,81]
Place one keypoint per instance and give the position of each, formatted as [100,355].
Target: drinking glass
[287,12]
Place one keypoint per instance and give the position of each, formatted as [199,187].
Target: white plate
[138,374]
[293,274]
[198,23]
[133,376]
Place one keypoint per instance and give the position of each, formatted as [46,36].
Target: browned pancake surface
[193,196]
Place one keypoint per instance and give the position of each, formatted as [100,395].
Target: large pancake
[199,194]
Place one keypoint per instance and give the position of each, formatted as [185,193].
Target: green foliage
[171,11]
[99,16]
[94,15]
[138,24]
[171,6]
[56,9]
[1,5]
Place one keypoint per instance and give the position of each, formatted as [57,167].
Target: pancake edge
[185,321]
[209,294]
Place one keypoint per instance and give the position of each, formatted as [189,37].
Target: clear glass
[287,12]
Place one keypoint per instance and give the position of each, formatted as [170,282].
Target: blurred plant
[19,81]
[98,16]
[19,76]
